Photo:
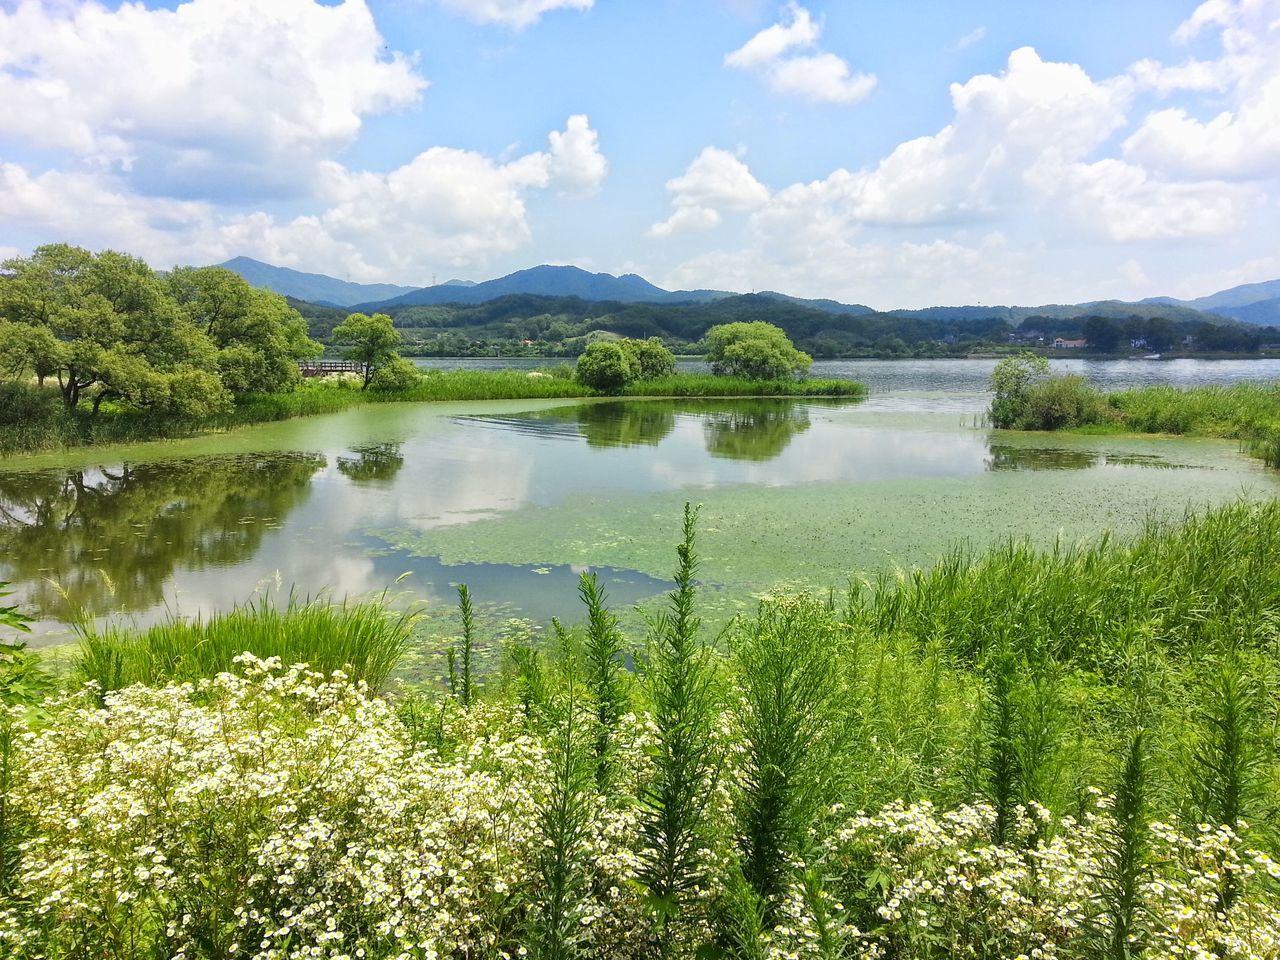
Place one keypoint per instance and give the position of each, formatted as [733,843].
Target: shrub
[650,359]
[605,366]
[755,350]
[395,375]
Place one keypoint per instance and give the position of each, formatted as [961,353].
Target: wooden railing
[319,368]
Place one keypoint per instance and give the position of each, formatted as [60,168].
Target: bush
[605,366]
[1062,402]
[650,359]
[395,375]
[756,351]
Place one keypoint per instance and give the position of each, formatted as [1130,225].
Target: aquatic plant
[367,639]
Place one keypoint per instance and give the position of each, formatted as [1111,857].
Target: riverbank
[1247,412]
[34,420]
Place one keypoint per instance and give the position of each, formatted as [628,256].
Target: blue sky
[893,154]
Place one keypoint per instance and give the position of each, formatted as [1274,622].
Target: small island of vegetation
[1029,397]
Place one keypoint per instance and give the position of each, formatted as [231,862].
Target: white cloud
[512,13]
[1241,142]
[445,207]
[715,181]
[822,77]
[576,158]
[977,35]
[184,101]
[1019,174]
[772,42]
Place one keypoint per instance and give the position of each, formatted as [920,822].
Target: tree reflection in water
[754,430]
[375,462]
[94,541]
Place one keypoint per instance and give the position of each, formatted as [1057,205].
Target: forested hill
[558,325]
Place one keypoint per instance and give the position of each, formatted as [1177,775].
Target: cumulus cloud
[576,160]
[819,76]
[1021,166]
[1241,142]
[444,207]
[715,181]
[512,13]
[174,99]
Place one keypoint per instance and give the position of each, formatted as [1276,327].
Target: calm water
[517,498]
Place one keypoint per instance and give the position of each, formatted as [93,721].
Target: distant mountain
[1250,302]
[1265,313]
[829,306]
[312,287]
[547,281]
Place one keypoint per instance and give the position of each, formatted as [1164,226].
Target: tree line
[106,327]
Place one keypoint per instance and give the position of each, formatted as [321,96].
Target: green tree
[755,350]
[1102,333]
[1011,379]
[104,325]
[606,366]
[650,359]
[1161,334]
[372,339]
[259,337]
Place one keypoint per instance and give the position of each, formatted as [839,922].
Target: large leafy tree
[259,337]
[104,325]
[755,350]
[371,340]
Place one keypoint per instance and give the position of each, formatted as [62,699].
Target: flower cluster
[279,814]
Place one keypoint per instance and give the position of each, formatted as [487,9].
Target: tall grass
[680,679]
[794,726]
[365,639]
[1088,602]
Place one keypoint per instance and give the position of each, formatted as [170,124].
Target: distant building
[1060,344]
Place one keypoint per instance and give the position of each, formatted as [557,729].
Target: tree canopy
[371,340]
[755,350]
[109,328]
[609,365]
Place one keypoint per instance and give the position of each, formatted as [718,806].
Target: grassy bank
[1067,753]
[364,639]
[1248,412]
[34,420]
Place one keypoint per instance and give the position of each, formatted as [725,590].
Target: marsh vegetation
[1020,752]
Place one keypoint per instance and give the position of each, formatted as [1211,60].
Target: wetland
[516,498]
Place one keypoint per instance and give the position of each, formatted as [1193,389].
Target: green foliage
[371,339]
[107,328]
[682,697]
[755,351]
[602,656]
[650,359]
[462,685]
[364,639]
[1010,380]
[1120,931]
[260,338]
[606,366]
[793,727]
[22,681]
[397,375]
[565,819]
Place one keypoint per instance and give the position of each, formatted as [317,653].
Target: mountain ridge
[1252,303]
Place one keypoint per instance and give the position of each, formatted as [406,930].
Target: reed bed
[366,640]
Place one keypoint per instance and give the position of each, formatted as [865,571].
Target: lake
[516,498]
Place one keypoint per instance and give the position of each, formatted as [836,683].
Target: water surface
[516,498]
